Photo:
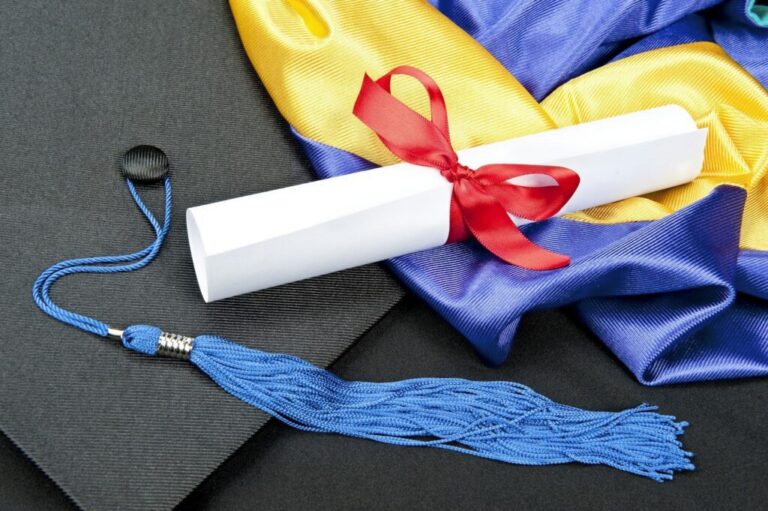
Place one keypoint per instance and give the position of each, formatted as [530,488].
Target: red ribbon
[481,198]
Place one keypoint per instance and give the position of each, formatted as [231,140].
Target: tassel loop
[142,338]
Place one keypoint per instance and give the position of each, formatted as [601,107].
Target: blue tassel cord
[502,421]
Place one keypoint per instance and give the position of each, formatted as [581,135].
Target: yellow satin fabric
[719,95]
[312,54]
[314,80]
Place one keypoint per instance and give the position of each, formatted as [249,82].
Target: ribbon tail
[531,201]
[490,224]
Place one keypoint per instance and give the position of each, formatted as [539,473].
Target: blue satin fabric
[744,40]
[674,300]
[663,296]
[545,44]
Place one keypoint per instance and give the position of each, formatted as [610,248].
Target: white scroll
[267,239]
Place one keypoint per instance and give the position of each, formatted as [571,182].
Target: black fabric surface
[280,468]
[80,83]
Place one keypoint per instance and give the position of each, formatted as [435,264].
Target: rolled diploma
[267,239]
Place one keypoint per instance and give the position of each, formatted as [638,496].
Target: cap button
[144,163]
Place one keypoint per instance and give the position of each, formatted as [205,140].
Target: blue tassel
[498,420]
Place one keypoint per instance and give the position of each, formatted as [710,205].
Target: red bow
[481,198]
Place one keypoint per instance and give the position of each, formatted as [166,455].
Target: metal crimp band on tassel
[175,346]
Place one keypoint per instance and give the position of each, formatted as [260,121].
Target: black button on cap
[144,163]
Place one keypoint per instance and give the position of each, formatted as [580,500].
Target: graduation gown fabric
[675,283]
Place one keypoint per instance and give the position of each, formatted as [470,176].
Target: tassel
[502,421]
[498,420]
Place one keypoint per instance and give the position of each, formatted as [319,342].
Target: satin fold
[673,282]
[734,109]
[314,80]
[545,44]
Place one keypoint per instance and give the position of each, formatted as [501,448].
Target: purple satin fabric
[674,300]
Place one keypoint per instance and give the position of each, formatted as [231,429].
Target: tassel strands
[498,420]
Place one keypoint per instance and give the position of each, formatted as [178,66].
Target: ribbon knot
[483,198]
[457,173]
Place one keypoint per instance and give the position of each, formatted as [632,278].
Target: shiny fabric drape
[675,282]
[544,44]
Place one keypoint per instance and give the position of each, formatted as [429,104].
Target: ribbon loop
[483,198]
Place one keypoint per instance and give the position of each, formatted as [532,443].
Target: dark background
[81,82]
[280,468]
